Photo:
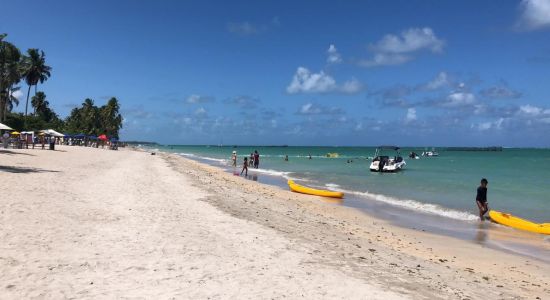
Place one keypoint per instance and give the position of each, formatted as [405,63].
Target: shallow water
[436,194]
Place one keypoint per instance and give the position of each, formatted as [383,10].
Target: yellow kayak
[305,190]
[515,222]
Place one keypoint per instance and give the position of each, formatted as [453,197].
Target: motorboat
[413,155]
[386,163]
[430,153]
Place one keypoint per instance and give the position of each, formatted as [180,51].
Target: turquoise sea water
[519,179]
[436,194]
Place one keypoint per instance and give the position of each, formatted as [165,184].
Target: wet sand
[92,223]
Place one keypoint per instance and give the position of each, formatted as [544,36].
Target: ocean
[432,193]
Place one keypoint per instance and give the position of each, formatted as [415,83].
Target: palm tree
[12,100]
[39,102]
[10,72]
[35,71]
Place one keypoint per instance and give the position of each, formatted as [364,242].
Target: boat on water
[431,153]
[387,163]
[310,191]
[413,155]
[518,223]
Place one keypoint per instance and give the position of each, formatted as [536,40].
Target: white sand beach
[91,223]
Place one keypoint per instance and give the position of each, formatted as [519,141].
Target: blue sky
[301,72]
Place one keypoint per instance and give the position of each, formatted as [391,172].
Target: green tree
[10,73]
[111,119]
[39,102]
[35,70]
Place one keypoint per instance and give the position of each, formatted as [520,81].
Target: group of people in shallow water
[252,161]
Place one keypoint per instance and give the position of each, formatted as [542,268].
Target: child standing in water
[481,198]
[234,158]
[245,167]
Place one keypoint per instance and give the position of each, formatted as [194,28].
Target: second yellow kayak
[305,190]
[518,223]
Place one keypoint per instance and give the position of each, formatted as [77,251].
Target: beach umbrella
[5,127]
[102,137]
[52,132]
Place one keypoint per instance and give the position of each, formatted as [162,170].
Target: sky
[410,73]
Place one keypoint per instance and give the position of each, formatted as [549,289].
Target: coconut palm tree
[12,100]
[39,102]
[10,72]
[35,71]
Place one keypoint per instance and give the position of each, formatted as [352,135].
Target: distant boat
[430,153]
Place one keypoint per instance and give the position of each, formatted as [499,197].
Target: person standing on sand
[481,198]
[245,167]
[256,159]
[234,158]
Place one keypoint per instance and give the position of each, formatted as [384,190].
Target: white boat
[386,163]
[430,153]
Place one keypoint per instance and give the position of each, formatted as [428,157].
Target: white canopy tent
[5,127]
[52,132]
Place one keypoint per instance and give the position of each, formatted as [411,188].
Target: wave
[193,156]
[414,205]
[332,185]
[409,204]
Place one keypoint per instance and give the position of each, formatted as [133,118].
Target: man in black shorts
[481,198]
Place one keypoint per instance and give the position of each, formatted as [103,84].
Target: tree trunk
[3,107]
[27,104]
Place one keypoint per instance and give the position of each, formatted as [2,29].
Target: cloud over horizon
[304,81]
[399,49]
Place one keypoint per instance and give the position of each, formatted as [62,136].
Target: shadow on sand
[12,169]
[8,152]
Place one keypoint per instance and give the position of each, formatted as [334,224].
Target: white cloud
[352,86]
[314,109]
[17,94]
[304,81]
[200,112]
[194,99]
[333,56]
[411,115]
[490,125]
[385,59]
[457,99]
[410,40]
[531,110]
[535,15]
[441,80]
[501,91]
[398,49]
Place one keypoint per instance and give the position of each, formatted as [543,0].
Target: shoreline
[126,223]
[438,250]
[488,234]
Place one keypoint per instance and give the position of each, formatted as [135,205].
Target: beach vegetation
[33,70]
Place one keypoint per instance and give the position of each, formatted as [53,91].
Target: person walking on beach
[245,167]
[481,198]
[256,159]
[234,158]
